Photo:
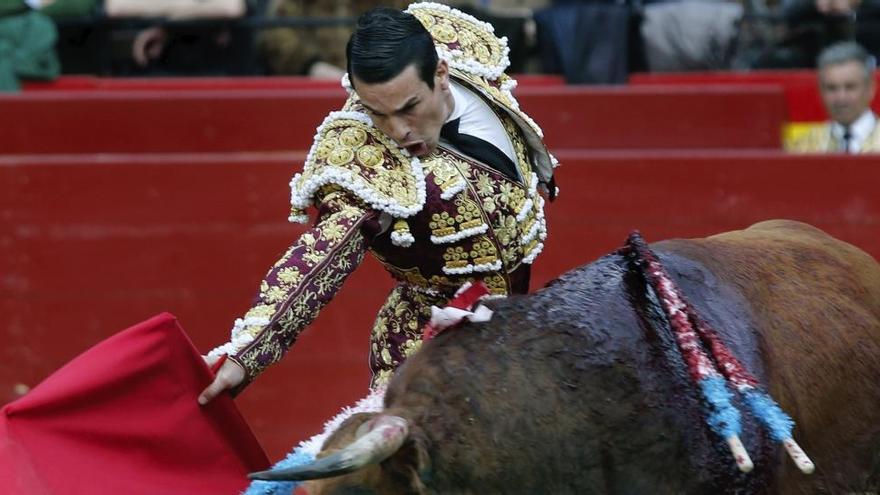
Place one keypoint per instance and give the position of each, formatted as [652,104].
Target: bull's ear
[410,465]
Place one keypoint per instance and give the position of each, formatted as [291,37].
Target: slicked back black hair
[385,42]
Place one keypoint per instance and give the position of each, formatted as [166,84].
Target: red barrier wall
[93,83]
[92,244]
[801,87]
[283,119]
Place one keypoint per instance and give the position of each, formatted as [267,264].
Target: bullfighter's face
[407,109]
[846,90]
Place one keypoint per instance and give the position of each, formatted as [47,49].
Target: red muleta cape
[122,418]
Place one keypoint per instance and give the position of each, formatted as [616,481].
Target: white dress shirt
[859,131]
[478,119]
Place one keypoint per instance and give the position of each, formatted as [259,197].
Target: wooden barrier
[92,244]
[163,121]
[248,120]
[801,87]
[658,118]
[207,83]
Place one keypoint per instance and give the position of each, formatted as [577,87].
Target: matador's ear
[441,75]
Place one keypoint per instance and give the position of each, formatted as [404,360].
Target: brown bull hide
[579,389]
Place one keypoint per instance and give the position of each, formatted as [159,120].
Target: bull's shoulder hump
[764,243]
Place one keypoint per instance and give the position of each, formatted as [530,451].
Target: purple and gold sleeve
[304,280]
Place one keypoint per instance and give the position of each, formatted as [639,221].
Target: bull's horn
[385,436]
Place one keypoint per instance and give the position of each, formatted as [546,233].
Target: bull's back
[814,303]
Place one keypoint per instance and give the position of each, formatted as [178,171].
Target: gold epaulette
[351,153]
[465,42]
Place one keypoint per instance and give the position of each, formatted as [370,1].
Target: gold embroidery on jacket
[482,252]
[446,174]
[397,332]
[496,284]
[328,264]
[414,277]
[467,218]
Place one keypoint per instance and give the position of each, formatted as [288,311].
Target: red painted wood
[801,87]
[91,83]
[697,194]
[282,120]
[91,244]
[662,117]
[163,121]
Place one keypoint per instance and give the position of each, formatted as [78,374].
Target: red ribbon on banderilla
[465,305]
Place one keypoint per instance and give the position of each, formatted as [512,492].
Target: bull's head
[370,453]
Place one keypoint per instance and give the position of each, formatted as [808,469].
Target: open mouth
[417,149]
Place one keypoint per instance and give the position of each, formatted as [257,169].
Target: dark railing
[244,62]
[761,29]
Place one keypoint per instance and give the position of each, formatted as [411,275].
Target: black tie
[847,139]
[479,149]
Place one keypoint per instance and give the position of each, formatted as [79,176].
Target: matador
[435,217]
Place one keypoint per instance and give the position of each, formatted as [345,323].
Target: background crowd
[587,41]
[162,188]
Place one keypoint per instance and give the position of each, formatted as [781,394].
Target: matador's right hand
[229,376]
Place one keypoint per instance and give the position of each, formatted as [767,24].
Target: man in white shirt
[846,83]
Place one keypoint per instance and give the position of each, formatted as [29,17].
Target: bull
[578,388]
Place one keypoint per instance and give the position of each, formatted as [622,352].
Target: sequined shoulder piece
[350,152]
[465,42]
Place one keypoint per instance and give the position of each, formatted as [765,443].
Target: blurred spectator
[587,41]
[60,9]
[78,45]
[319,51]
[812,25]
[690,34]
[27,43]
[868,26]
[204,50]
[846,82]
[193,49]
